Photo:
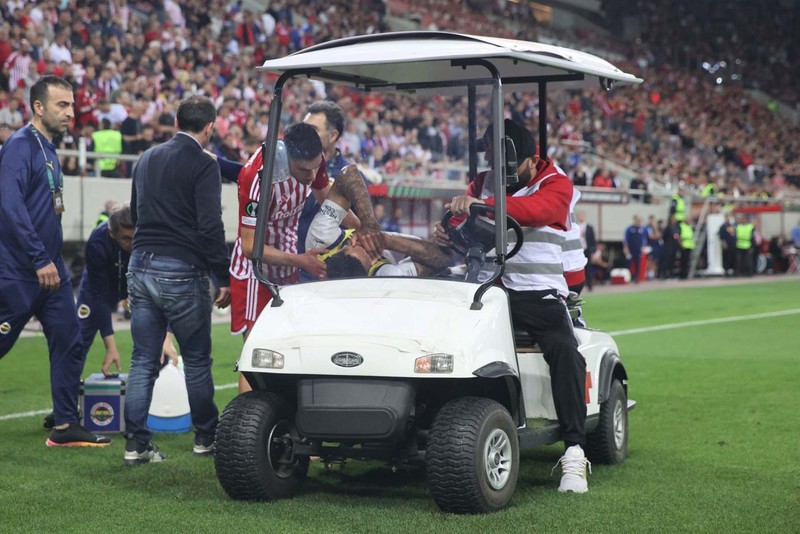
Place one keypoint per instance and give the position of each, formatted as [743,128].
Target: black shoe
[76,436]
[49,421]
[137,453]
[203,445]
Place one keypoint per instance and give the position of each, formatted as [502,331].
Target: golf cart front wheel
[608,444]
[472,457]
[254,458]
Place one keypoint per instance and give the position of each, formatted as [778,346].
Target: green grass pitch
[714,443]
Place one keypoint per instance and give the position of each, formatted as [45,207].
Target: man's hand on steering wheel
[460,204]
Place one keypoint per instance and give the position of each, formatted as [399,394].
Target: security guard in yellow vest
[687,246]
[110,142]
[744,246]
[678,207]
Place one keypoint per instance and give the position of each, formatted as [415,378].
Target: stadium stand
[683,127]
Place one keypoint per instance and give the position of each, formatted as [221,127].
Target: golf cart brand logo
[347,359]
[84,311]
[102,414]
[5,328]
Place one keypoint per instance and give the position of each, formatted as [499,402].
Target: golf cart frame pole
[498,146]
[472,131]
[267,168]
[543,120]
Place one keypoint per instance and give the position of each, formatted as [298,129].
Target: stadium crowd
[131,61]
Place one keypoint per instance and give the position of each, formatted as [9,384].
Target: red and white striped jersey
[17,65]
[288,198]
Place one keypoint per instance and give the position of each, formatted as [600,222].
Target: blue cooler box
[102,403]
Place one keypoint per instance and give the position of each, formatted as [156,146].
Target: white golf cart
[423,371]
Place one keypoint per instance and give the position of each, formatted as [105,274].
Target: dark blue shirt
[103,283]
[30,228]
[635,238]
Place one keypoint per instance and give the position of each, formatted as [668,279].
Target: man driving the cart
[536,286]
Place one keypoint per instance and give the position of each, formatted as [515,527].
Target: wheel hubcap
[619,424]
[497,453]
[280,452]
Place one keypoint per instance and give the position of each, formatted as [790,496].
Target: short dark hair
[334,114]
[343,266]
[195,113]
[120,218]
[40,89]
[302,142]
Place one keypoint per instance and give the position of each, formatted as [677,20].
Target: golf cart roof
[414,60]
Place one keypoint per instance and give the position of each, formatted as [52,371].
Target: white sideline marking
[43,412]
[719,320]
[24,414]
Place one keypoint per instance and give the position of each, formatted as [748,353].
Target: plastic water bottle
[280,170]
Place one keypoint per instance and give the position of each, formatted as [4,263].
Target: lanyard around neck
[48,165]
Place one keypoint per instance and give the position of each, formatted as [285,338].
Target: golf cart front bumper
[336,409]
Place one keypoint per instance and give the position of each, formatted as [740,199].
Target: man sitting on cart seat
[368,252]
[534,279]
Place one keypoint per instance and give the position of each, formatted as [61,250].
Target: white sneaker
[573,468]
[142,453]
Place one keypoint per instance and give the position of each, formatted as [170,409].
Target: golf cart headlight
[267,359]
[434,363]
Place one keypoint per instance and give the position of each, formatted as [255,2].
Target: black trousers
[744,262]
[544,315]
[686,257]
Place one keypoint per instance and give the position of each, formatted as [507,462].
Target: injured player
[368,252]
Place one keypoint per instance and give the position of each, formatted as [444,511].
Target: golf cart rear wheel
[472,457]
[254,458]
[608,444]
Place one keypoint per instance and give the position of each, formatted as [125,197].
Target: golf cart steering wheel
[475,231]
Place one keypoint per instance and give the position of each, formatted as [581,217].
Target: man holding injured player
[370,252]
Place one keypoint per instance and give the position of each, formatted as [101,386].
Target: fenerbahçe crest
[5,328]
[102,414]
[84,311]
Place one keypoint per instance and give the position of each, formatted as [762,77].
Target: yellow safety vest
[708,190]
[687,236]
[744,236]
[680,207]
[109,142]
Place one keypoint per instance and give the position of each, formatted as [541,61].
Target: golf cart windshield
[455,74]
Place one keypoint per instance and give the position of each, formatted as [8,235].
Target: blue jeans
[164,290]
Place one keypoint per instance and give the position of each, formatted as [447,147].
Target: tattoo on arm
[350,186]
[427,255]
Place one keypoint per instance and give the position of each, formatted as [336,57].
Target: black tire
[253,455]
[467,438]
[608,444]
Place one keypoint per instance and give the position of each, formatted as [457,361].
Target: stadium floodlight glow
[434,364]
[267,359]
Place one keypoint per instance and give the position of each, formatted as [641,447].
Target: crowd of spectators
[131,61]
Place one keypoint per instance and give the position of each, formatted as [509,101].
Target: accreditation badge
[58,202]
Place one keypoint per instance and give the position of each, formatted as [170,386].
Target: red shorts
[248,298]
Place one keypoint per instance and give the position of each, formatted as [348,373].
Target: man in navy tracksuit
[34,280]
[103,282]
[103,285]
